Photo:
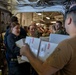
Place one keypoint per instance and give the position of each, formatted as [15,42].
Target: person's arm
[41,67]
[61,56]
[12,46]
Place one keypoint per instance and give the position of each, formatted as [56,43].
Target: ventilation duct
[27,1]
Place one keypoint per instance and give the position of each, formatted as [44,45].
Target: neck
[73,35]
[72,30]
[14,34]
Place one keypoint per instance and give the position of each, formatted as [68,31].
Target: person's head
[14,19]
[32,29]
[70,21]
[58,25]
[33,23]
[15,28]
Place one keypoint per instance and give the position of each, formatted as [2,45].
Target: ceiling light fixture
[27,1]
[53,21]
[48,18]
[39,13]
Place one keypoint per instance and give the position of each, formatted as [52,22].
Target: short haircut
[72,12]
[32,24]
[13,24]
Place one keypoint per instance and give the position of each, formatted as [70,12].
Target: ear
[69,21]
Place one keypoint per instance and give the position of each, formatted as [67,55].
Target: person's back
[72,64]
[69,53]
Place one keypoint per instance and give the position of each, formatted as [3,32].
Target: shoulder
[8,31]
[64,42]
[64,47]
[10,36]
[61,54]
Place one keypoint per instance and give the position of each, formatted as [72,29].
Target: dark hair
[13,24]
[8,27]
[59,22]
[14,19]
[32,25]
[72,11]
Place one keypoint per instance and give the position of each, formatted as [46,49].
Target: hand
[25,50]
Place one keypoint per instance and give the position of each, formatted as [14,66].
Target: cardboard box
[41,49]
[46,48]
[57,38]
[20,42]
[44,39]
[20,60]
[34,44]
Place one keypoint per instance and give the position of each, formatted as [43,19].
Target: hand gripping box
[46,49]
[34,44]
[20,43]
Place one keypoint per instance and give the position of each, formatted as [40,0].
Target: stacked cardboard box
[34,44]
[46,48]
[57,38]
[41,47]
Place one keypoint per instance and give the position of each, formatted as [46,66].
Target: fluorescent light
[37,23]
[53,21]
[39,13]
[42,24]
[48,18]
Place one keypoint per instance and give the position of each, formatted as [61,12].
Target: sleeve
[61,56]
[12,46]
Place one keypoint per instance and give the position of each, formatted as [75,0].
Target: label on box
[46,48]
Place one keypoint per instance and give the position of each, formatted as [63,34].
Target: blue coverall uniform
[11,54]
